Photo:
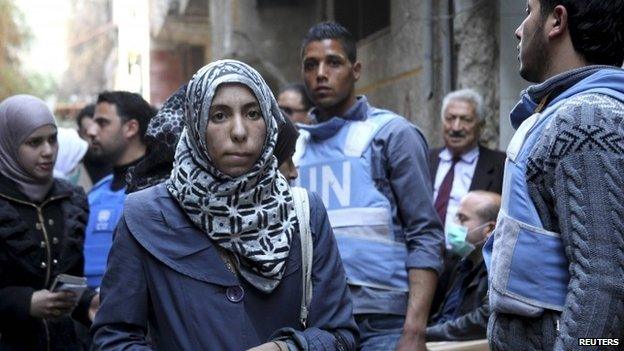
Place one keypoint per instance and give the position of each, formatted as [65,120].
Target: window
[362,17]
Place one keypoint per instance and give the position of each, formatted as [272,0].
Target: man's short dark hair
[299,88]
[86,111]
[331,30]
[130,106]
[596,28]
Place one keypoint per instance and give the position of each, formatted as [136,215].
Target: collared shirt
[464,170]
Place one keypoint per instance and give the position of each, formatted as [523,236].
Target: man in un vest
[370,168]
[120,121]
[556,258]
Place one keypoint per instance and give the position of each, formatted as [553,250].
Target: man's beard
[94,158]
[101,157]
[536,68]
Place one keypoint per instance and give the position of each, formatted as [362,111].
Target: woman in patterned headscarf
[211,258]
[163,134]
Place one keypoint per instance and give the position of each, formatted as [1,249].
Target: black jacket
[473,310]
[488,173]
[38,242]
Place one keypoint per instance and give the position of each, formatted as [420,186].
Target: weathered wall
[398,72]
[171,67]
[180,33]
[166,73]
[476,24]
[266,37]
[512,13]
[430,48]
[91,43]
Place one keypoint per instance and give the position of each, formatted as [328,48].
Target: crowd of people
[235,219]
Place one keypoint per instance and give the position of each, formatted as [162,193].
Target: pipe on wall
[446,45]
[427,50]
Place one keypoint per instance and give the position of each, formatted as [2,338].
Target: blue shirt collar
[357,112]
[327,129]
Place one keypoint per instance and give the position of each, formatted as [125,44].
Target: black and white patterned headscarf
[161,139]
[251,215]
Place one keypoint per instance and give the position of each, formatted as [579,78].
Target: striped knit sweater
[576,180]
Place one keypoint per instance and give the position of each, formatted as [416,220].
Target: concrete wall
[476,51]
[90,50]
[133,46]
[430,48]
[167,74]
[267,37]
[180,38]
[398,72]
[511,15]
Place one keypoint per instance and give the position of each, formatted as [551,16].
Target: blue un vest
[527,266]
[106,207]
[336,164]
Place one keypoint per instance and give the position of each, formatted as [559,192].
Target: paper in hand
[66,282]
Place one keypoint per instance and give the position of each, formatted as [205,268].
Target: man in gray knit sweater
[556,259]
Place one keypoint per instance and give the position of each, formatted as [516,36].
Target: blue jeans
[379,332]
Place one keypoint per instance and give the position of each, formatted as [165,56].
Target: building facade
[413,52]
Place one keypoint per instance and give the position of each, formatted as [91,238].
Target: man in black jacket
[464,312]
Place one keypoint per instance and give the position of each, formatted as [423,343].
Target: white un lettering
[341,188]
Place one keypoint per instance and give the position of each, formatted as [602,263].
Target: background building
[413,51]
[91,46]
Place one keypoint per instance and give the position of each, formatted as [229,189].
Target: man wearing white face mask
[464,313]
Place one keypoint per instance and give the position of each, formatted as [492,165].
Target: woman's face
[236,130]
[37,153]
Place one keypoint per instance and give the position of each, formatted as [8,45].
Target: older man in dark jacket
[464,313]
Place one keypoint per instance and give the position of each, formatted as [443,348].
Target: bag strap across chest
[302,208]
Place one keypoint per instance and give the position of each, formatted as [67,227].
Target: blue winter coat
[165,275]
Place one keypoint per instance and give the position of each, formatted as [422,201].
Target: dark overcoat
[39,241]
[166,276]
